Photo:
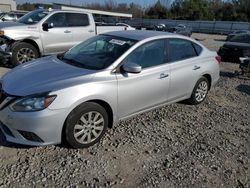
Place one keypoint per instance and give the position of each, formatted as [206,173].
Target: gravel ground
[175,146]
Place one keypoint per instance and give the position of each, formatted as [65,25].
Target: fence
[219,27]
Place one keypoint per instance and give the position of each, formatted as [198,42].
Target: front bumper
[33,128]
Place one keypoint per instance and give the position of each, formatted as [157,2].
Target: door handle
[67,31]
[196,67]
[163,75]
[91,31]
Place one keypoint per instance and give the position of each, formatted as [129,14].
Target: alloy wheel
[201,91]
[25,55]
[89,127]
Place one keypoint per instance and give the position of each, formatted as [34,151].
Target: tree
[157,11]
[110,5]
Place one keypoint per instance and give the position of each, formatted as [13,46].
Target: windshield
[33,17]
[98,52]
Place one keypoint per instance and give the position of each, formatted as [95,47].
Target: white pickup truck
[44,32]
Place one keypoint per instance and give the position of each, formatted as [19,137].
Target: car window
[97,46]
[180,49]
[243,38]
[19,15]
[198,48]
[8,17]
[75,19]
[57,20]
[149,54]
[97,52]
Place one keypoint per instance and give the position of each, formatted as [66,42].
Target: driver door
[59,37]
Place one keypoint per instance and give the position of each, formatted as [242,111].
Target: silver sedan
[76,96]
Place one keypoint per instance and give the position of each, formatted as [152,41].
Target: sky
[82,2]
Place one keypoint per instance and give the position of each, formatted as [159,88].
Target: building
[98,14]
[7,5]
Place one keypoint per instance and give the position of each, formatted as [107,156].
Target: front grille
[30,136]
[6,130]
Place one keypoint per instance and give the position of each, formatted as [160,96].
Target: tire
[23,52]
[80,131]
[200,91]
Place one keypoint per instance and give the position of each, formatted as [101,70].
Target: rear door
[186,67]
[82,26]
[59,37]
[138,92]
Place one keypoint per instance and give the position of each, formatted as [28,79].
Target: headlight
[32,104]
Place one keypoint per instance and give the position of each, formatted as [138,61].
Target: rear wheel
[200,91]
[23,52]
[86,125]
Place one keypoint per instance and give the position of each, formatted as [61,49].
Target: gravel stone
[178,145]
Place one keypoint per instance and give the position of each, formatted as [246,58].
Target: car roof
[138,34]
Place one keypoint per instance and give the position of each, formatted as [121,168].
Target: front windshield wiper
[73,62]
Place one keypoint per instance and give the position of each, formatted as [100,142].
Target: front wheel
[200,91]
[86,125]
[23,52]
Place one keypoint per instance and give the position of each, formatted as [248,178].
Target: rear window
[180,49]
[75,19]
[241,38]
[197,48]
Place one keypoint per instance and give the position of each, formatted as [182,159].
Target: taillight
[218,59]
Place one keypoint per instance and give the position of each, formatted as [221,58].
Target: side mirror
[131,68]
[47,26]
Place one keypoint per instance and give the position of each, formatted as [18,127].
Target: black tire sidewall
[17,46]
[75,115]
[192,99]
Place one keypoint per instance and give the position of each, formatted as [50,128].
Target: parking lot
[175,146]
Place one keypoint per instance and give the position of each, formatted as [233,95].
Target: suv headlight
[31,104]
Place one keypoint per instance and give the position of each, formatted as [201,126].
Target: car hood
[10,24]
[44,75]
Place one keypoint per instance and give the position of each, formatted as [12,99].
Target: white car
[128,27]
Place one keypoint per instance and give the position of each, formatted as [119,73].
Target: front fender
[18,36]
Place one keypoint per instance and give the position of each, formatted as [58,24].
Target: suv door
[138,92]
[58,38]
[186,67]
[80,27]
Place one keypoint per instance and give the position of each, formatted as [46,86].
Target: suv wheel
[200,91]
[86,125]
[23,52]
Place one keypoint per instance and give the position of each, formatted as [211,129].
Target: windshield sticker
[118,42]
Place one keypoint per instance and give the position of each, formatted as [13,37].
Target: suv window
[75,19]
[180,49]
[57,20]
[33,17]
[149,54]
